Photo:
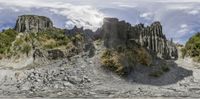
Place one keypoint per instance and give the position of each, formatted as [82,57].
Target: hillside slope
[192,48]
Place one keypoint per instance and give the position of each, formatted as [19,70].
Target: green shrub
[49,39]
[26,48]
[156,74]
[6,39]
[18,42]
[144,57]
[122,59]
[165,68]
[50,46]
[196,59]
[106,54]
[184,52]
[160,72]
[52,38]
[111,60]
[192,48]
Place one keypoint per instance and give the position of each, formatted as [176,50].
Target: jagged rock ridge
[32,23]
[121,34]
[115,34]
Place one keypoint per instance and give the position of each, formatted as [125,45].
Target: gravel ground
[84,77]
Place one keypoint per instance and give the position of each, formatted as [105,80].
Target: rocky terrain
[75,69]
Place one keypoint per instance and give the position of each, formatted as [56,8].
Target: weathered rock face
[55,54]
[32,23]
[73,31]
[121,34]
[115,33]
[88,34]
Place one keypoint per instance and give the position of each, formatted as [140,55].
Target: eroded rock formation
[121,34]
[115,34]
[32,23]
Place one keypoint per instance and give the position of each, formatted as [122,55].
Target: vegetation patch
[13,43]
[111,60]
[52,38]
[156,74]
[6,39]
[122,60]
[192,48]
[165,68]
[160,72]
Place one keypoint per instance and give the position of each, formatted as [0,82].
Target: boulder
[55,54]
[42,56]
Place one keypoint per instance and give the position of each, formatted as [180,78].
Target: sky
[180,18]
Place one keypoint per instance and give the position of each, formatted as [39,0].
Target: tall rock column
[32,23]
[115,32]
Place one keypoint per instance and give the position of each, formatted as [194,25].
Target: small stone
[56,86]
[32,89]
[68,84]
[74,80]
[59,93]
[65,79]
[25,86]
[86,79]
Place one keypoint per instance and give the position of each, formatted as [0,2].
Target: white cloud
[178,7]
[177,1]
[85,16]
[117,3]
[80,15]
[193,12]
[147,15]
[127,6]
[184,26]
[184,29]
[189,8]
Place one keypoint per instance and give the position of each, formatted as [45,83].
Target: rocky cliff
[32,23]
[115,34]
[122,34]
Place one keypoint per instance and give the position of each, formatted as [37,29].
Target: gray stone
[68,84]
[26,86]
[74,80]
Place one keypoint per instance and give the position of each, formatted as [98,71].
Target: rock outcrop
[55,54]
[33,23]
[121,34]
